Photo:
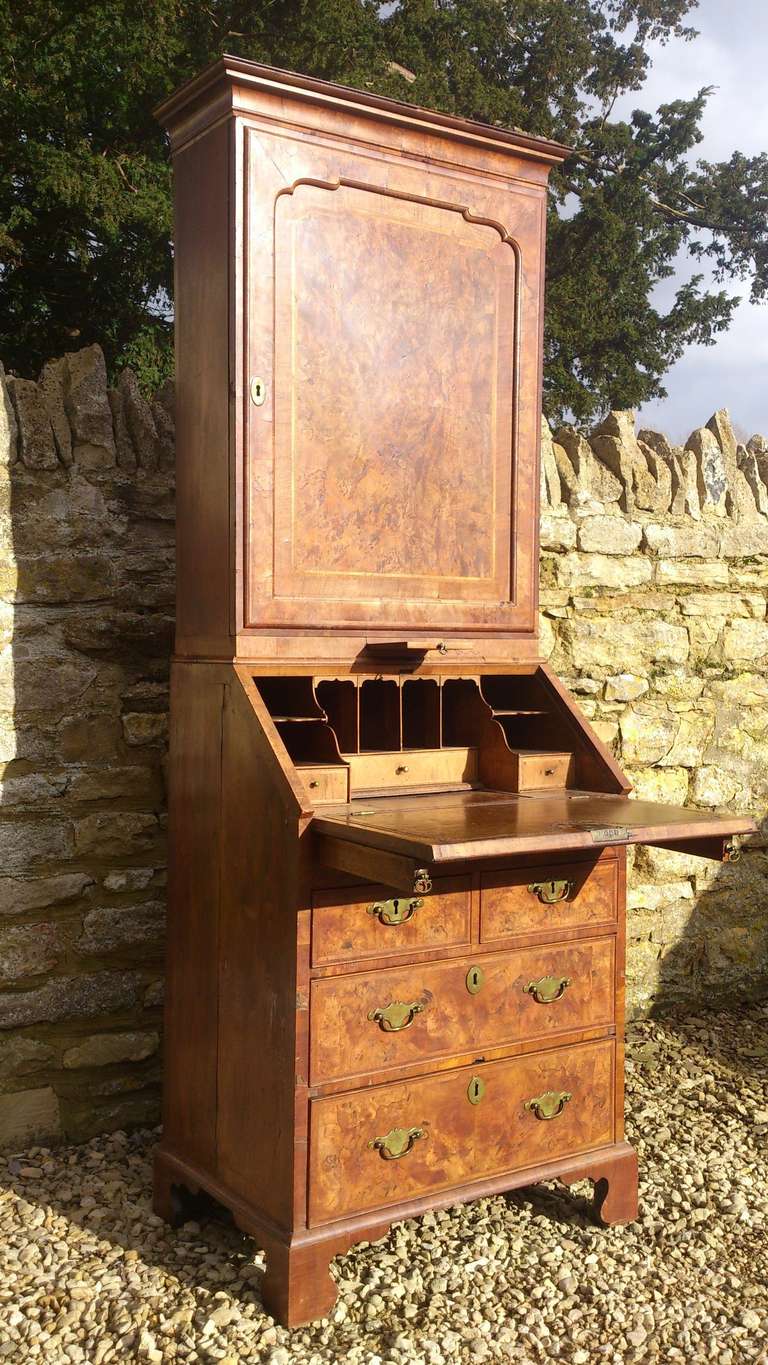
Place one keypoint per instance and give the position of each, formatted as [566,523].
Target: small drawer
[538,770]
[411,768]
[370,1022]
[536,899]
[369,921]
[326,783]
[382,1145]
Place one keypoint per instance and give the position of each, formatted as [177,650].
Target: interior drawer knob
[550,893]
[397,911]
[547,988]
[401,768]
[548,1105]
[395,1017]
[396,1143]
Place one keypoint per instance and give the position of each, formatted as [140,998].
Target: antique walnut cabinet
[396,926]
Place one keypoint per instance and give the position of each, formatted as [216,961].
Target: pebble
[90,1276]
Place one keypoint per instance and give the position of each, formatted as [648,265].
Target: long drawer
[548,898]
[375,1147]
[373,921]
[377,1020]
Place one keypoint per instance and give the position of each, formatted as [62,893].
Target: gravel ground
[89,1274]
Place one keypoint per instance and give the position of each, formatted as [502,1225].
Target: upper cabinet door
[391,391]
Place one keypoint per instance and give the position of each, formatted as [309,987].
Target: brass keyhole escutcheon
[475,1090]
[258,392]
[474,979]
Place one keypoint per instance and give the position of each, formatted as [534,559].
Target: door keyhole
[258,391]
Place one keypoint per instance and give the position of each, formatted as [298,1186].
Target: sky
[731,52]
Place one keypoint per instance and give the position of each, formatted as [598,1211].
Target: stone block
[130,879]
[19,1056]
[739,542]
[711,471]
[615,443]
[88,738]
[666,865]
[613,571]
[126,455]
[585,482]
[602,644]
[556,533]
[51,385]
[47,683]
[667,785]
[647,732]
[19,896]
[625,687]
[681,542]
[30,949]
[23,843]
[747,689]
[549,476]
[9,430]
[37,448]
[154,994]
[106,930]
[692,736]
[115,834]
[754,471]
[609,535]
[137,783]
[140,422]
[29,1115]
[88,410]
[693,573]
[547,637]
[107,1049]
[71,997]
[654,896]
[746,640]
[713,786]
[145,727]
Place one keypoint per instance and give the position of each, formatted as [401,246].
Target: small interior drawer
[325,782]
[548,898]
[412,768]
[457,1126]
[539,770]
[369,921]
[369,1022]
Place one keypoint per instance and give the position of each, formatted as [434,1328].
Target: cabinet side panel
[202,250]
[197,693]
[257,968]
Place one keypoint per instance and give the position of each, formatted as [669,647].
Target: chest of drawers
[397,867]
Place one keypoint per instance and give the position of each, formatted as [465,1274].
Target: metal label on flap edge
[612,834]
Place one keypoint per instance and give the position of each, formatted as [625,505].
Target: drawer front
[541,770]
[412,768]
[363,922]
[575,896]
[376,1020]
[326,783]
[447,1140]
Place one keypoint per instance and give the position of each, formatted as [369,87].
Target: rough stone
[126,455]
[556,533]
[24,843]
[128,926]
[37,448]
[145,727]
[52,384]
[70,997]
[9,430]
[692,572]
[712,471]
[679,542]
[29,950]
[88,410]
[19,896]
[115,834]
[139,420]
[609,535]
[27,1114]
[615,443]
[604,644]
[106,1049]
[746,640]
[617,572]
[19,1056]
[625,687]
[585,481]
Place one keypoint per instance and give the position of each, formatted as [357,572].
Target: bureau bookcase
[397,869]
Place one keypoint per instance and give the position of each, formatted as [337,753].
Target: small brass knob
[314,782]
[401,768]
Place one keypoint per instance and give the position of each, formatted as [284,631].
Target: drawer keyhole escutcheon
[396,1143]
[475,1090]
[548,1105]
[547,989]
[397,1016]
[397,911]
[551,893]
[258,392]
[474,979]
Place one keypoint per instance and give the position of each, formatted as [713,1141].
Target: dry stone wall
[654,590]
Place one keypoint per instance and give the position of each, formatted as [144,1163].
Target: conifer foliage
[85,218]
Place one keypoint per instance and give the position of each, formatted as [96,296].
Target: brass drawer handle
[397,911]
[551,893]
[547,988]
[548,1105]
[397,1016]
[396,1143]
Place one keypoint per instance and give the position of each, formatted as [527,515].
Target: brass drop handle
[547,989]
[397,1016]
[548,1105]
[397,911]
[551,893]
[396,1143]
